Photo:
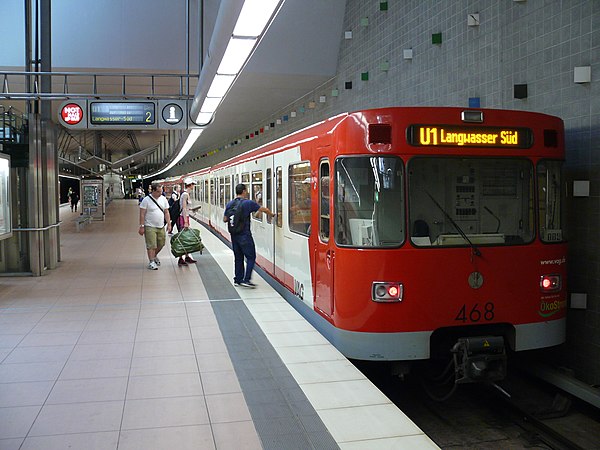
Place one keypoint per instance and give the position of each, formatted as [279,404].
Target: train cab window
[256,192]
[550,203]
[268,192]
[369,201]
[324,203]
[470,201]
[299,183]
[278,197]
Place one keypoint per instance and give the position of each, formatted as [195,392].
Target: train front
[451,252]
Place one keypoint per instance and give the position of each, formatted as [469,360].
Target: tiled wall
[533,42]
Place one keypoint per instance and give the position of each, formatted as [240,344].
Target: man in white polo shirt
[154,212]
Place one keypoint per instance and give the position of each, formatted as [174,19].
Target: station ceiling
[298,53]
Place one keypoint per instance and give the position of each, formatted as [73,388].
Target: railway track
[532,416]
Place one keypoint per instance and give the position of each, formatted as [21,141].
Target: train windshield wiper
[474,248]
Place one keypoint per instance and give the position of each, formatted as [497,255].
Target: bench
[81,221]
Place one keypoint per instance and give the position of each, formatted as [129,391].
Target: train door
[262,225]
[278,233]
[324,251]
[271,222]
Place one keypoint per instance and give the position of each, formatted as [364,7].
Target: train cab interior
[369,201]
[483,201]
[451,201]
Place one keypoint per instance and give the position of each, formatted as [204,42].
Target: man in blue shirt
[241,240]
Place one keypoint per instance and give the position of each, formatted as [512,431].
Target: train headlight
[387,292]
[550,283]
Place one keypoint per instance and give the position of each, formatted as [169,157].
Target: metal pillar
[43,204]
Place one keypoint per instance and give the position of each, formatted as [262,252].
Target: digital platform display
[468,136]
[122,113]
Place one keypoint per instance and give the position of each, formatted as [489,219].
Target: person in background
[154,213]
[243,243]
[139,192]
[73,199]
[183,222]
[174,199]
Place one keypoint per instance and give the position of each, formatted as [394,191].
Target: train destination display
[458,136]
[122,113]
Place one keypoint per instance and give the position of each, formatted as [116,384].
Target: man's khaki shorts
[155,237]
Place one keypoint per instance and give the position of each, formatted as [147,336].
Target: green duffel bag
[186,241]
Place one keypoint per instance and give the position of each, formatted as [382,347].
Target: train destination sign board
[469,136]
[122,113]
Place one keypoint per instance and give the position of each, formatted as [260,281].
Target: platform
[102,353]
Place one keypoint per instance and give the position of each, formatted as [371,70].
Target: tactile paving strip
[282,415]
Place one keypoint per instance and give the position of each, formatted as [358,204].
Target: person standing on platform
[242,242]
[74,199]
[154,213]
[183,221]
[174,200]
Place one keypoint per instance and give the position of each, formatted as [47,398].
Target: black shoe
[247,284]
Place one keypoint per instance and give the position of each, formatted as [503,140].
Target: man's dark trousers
[243,246]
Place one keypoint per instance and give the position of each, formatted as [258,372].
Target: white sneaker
[157,261]
[153,265]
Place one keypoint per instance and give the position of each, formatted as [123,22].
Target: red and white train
[407,234]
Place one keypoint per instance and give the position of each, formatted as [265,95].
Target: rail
[96,82]
[38,229]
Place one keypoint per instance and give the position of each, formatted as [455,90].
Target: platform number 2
[475,314]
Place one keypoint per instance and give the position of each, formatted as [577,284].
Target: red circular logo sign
[71,114]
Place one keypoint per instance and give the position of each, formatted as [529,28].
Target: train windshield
[369,201]
[475,201]
[550,201]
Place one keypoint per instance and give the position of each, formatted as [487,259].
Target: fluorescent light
[189,142]
[220,85]
[236,54]
[210,104]
[254,17]
[203,118]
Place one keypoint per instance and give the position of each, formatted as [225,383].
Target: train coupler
[478,359]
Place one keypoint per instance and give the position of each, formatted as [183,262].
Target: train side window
[299,183]
[324,203]
[227,189]
[369,201]
[222,192]
[257,192]
[550,204]
[269,193]
[279,197]
[212,191]
[246,179]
